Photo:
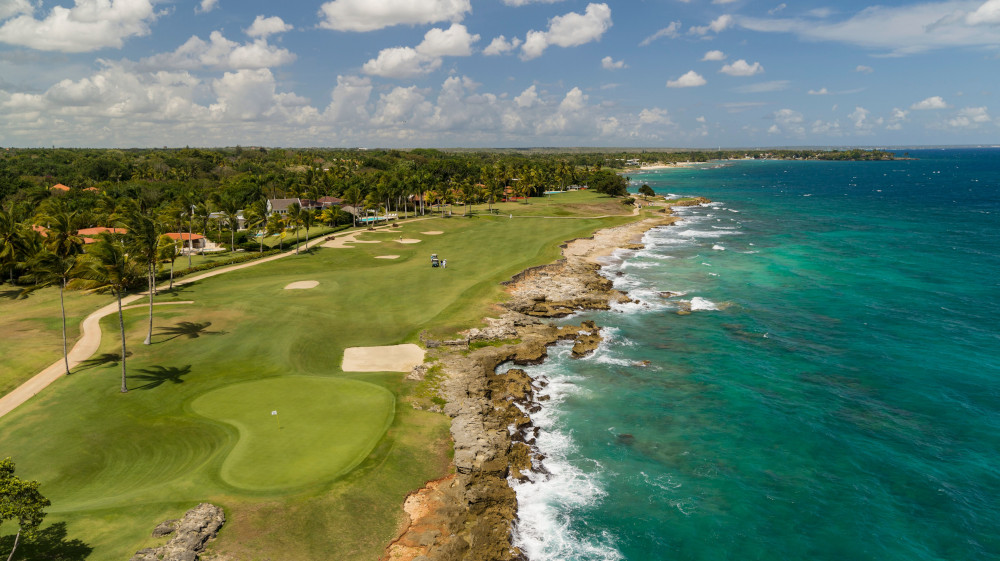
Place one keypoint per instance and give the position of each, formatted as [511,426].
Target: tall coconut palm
[255,218]
[167,251]
[10,241]
[203,213]
[355,198]
[48,268]
[294,218]
[308,221]
[142,240]
[276,226]
[109,267]
[231,215]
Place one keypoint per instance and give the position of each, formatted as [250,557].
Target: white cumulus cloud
[718,25]
[742,68]
[401,62]
[934,102]
[263,27]
[221,53]
[206,6]
[369,15]
[609,63]
[714,56]
[569,30]
[454,41]
[88,26]
[689,80]
[988,13]
[409,62]
[500,45]
[970,118]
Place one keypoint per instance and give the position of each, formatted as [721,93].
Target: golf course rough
[323,428]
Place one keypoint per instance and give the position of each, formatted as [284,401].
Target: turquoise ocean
[834,393]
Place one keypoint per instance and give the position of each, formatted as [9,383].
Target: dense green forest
[213,191]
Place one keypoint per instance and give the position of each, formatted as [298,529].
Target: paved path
[90,333]
[85,347]
[90,328]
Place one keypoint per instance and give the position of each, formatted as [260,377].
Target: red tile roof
[59,187]
[184,236]
[89,235]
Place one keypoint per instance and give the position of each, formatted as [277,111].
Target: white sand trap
[366,241]
[395,358]
[302,285]
[433,233]
[409,240]
[386,257]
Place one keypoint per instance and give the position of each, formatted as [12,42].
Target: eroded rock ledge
[469,514]
[190,534]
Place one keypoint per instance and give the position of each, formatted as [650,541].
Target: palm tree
[354,197]
[255,218]
[276,226]
[48,268]
[294,218]
[308,220]
[231,215]
[167,252]
[108,267]
[10,240]
[202,212]
[188,202]
[142,239]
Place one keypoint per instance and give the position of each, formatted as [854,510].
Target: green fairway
[323,428]
[196,424]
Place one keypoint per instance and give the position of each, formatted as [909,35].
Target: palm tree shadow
[188,329]
[49,543]
[155,376]
[104,359]
[12,294]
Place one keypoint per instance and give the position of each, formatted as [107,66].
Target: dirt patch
[386,257]
[302,285]
[394,358]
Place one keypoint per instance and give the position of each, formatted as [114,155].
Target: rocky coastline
[470,514]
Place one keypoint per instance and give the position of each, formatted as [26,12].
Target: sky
[499,73]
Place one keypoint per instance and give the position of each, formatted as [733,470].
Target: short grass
[116,464]
[297,430]
[31,330]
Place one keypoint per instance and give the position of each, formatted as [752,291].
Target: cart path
[90,327]
[85,347]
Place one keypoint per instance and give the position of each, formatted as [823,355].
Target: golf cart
[434,260]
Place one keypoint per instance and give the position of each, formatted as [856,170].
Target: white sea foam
[700,304]
[547,501]
[718,247]
[707,233]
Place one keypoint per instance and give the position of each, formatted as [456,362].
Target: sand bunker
[395,358]
[302,285]
[433,233]
[386,257]
[409,240]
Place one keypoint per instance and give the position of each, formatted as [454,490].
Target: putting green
[324,428]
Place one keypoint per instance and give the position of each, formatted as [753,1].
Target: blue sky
[496,73]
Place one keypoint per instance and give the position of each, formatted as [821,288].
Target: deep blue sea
[834,393]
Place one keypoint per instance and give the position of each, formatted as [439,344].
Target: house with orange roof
[59,187]
[190,242]
[91,235]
